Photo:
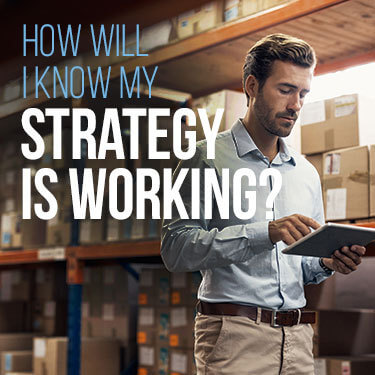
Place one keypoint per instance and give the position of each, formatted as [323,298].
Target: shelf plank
[128,249]
[14,257]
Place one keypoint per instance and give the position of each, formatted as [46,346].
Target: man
[249,316]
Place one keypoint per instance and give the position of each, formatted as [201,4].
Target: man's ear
[252,86]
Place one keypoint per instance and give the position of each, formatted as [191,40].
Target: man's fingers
[360,250]
[351,254]
[309,222]
[301,227]
[346,261]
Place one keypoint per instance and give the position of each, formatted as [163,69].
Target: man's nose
[295,103]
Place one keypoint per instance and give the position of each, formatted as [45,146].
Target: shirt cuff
[317,268]
[258,236]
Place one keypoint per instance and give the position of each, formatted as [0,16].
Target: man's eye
[285,92]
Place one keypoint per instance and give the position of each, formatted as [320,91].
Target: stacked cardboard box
[98,356]
[166,321]
[109,306]
[345,365]
[49,306]
[233,103]
[199,19]
[372,180]
[356,339]
[234,9]
[331,132]
[16,361]
[153,321]
[15,350]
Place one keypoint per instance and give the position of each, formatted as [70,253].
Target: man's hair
[260,58]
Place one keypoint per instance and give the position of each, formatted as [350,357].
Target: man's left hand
[345,260]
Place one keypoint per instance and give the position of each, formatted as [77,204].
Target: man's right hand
[289,229]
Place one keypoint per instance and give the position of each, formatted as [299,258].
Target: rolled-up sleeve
[192,245]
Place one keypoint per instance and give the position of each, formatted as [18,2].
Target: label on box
[109,275]
[345,105]
[178,317]
[142,299]
[345,368]
[146,316]
[8,362]
[6,223]
[39,348]
[231,14]
[57,253]
[332,164]
[146,278]
[176,298]
[9,205]
[85,309]
[146,356]
[179,280]
[336,204]
[173,340]
[141,337]
[313,112]
[320,366]
[50,309]
[108,311]
[179,363]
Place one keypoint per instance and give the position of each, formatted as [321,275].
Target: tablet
[330,237]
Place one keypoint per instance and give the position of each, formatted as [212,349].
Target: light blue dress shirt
[238,262]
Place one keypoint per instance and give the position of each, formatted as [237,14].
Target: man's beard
[263,113]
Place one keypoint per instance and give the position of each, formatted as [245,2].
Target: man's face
[278,103]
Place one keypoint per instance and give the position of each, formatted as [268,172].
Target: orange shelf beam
[14,257]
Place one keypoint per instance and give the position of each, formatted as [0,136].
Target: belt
[273,317]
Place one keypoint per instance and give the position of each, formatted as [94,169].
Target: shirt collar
[245,144]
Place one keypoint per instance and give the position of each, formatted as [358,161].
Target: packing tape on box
[360,177]
[332,183]
[329,137]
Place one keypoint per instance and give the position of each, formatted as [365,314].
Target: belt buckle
[273,319]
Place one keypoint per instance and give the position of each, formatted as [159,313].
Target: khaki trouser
[236,345]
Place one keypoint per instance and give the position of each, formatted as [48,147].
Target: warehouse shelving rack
[342,34]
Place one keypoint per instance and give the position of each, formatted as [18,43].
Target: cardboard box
[346,183]
[91,231]
[341,291]
[317,161]
[15,285]
[98,356]
[372,180]
[181,362]
[50,284]
[345,121]
[16,361]
[153,326]
[59,228]
[154,288]
[234,9]
[184,288]
[49,317]
[156,35]
[344,365]
[11,235]
[181,333]
[233,103]
[199,19]
[153,360]
[15,342]
[344,333]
